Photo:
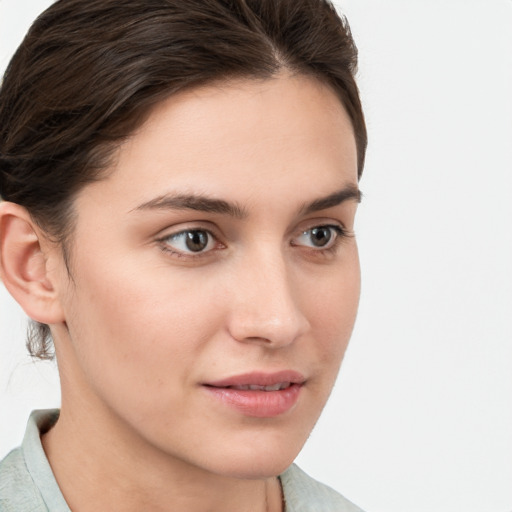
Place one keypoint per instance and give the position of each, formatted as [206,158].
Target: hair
[89,71]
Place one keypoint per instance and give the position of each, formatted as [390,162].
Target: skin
[143,322]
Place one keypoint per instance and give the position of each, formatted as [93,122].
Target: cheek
[333,310]
[135,334]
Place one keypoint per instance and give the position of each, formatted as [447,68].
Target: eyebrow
[348,193]
[212,205]
[194,202]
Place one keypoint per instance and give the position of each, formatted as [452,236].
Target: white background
[421,417]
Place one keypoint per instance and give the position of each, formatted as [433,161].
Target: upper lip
[259,379]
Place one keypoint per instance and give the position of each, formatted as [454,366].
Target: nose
[265,303]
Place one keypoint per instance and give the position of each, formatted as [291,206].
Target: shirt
[27,483]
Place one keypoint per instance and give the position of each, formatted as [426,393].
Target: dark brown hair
[89,71]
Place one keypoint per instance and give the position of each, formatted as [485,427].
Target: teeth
[256,387]
[275,387]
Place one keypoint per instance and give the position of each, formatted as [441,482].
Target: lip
[259,379]
[257,402]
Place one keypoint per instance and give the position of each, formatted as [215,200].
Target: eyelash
[340,234]
[166,247]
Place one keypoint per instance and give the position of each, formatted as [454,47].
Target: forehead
[238,137]
[252,111]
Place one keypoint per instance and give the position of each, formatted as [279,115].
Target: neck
[100,466]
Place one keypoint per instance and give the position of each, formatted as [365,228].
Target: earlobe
[23,265]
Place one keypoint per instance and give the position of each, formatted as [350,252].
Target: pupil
[196,240]
[321,236]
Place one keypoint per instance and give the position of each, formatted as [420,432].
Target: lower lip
[256,403]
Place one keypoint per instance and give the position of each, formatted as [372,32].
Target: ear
[23,265]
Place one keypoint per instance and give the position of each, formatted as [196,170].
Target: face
[215,276]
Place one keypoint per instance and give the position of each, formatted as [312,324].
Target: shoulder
[18,493]
[304,494]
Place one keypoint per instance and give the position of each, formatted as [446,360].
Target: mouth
[256,387]
[261,395]
[260,381]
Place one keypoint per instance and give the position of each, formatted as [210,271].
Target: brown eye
[319,237]
[196,240]
[190,241]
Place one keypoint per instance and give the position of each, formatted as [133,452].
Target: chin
[257,469]
[258,460]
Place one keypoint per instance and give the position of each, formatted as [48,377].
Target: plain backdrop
[421,417]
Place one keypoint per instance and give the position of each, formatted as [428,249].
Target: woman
[180,181]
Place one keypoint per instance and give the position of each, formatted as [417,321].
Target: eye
[319,237]
[190,241]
